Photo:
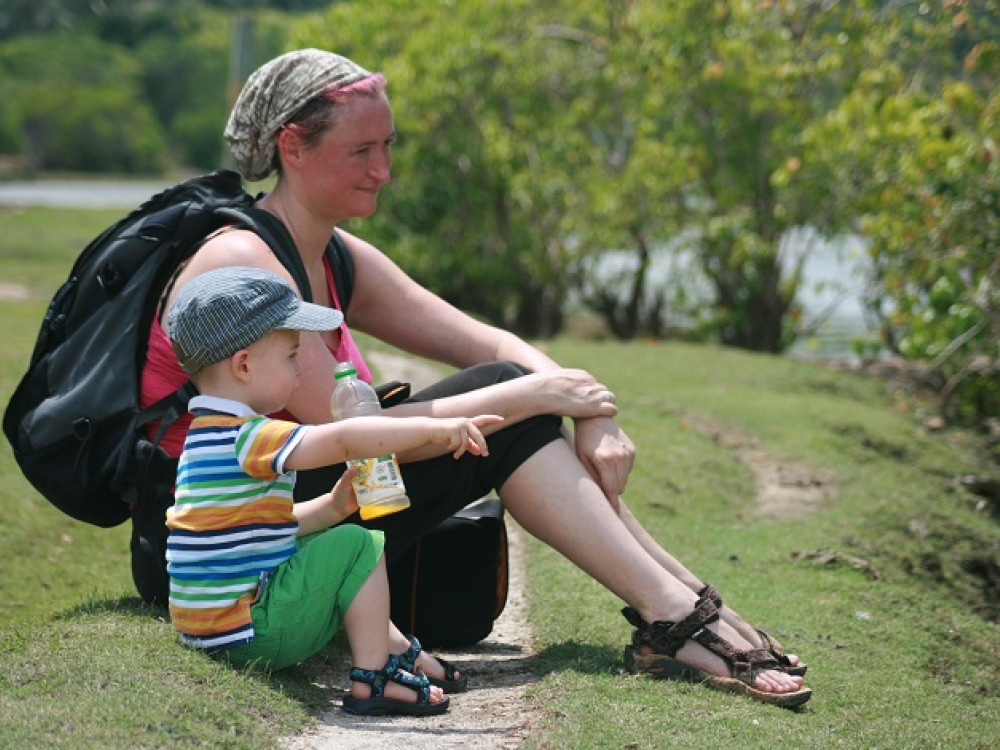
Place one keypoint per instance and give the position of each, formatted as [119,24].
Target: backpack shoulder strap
[342,265]
[275,234]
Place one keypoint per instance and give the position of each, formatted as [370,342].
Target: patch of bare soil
[784,488]
[14,292]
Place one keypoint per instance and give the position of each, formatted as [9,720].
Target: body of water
[124,194]
[831,292]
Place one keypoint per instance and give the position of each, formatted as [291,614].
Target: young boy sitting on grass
[254,577]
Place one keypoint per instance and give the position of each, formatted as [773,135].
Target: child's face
[274,370]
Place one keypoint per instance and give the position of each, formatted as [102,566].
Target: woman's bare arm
[389,305]
[445,334]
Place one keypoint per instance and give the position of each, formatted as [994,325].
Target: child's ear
[239,365]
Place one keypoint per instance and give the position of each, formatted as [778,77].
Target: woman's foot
[695,655]
[702,648]
[768,680]
[760,639]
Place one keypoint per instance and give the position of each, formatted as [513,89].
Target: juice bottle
[379,482]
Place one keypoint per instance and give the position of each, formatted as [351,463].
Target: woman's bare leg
[553,497]
[369,635]
[674,566]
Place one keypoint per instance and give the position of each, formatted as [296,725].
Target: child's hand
[461,434]
[342,498]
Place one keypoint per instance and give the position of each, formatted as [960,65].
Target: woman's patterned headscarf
[272,94]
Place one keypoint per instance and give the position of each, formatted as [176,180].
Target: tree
[554,133]
[536,140]
[916,159]
[182,48]
[125,22]
[474,208]
[77,105]
[185,73]
[725,90]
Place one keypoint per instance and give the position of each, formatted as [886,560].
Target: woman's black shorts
[439,487]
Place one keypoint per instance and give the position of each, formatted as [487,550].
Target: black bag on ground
[450,587]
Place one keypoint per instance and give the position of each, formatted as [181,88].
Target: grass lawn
[888,589]
[903,650]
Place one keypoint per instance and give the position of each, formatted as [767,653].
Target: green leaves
[915,141]
[77,104]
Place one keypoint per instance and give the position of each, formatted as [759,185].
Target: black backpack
[74,421]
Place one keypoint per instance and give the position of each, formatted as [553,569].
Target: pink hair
[370,86]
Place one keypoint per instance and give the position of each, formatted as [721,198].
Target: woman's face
[352,160]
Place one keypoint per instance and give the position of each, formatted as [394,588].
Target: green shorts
[305,598]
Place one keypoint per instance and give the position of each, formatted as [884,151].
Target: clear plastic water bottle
[379,482]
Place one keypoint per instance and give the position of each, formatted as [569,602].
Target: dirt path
[784,488]
[14,292]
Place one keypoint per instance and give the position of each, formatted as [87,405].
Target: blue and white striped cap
[219,312]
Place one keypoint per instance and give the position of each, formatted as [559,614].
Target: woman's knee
[507,370]
[471,379]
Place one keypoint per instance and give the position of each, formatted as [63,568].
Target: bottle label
[379,481]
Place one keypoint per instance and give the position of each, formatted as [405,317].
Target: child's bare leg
[428,663]
[365,623]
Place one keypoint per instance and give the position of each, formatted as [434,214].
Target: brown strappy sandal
[770,644]
[664,640]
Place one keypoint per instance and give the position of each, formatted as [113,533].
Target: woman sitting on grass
[324,124]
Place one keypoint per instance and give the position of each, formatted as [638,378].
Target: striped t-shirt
[231,523]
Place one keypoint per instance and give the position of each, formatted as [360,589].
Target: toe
[774,681]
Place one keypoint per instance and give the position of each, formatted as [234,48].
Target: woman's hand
[574,393]
[460,434]
[607,453]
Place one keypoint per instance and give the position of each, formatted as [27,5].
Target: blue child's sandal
[379,705]
[450,684]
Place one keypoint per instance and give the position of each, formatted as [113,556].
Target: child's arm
[327,510]
[366,437]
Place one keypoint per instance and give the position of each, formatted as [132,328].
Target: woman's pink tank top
[162,374]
